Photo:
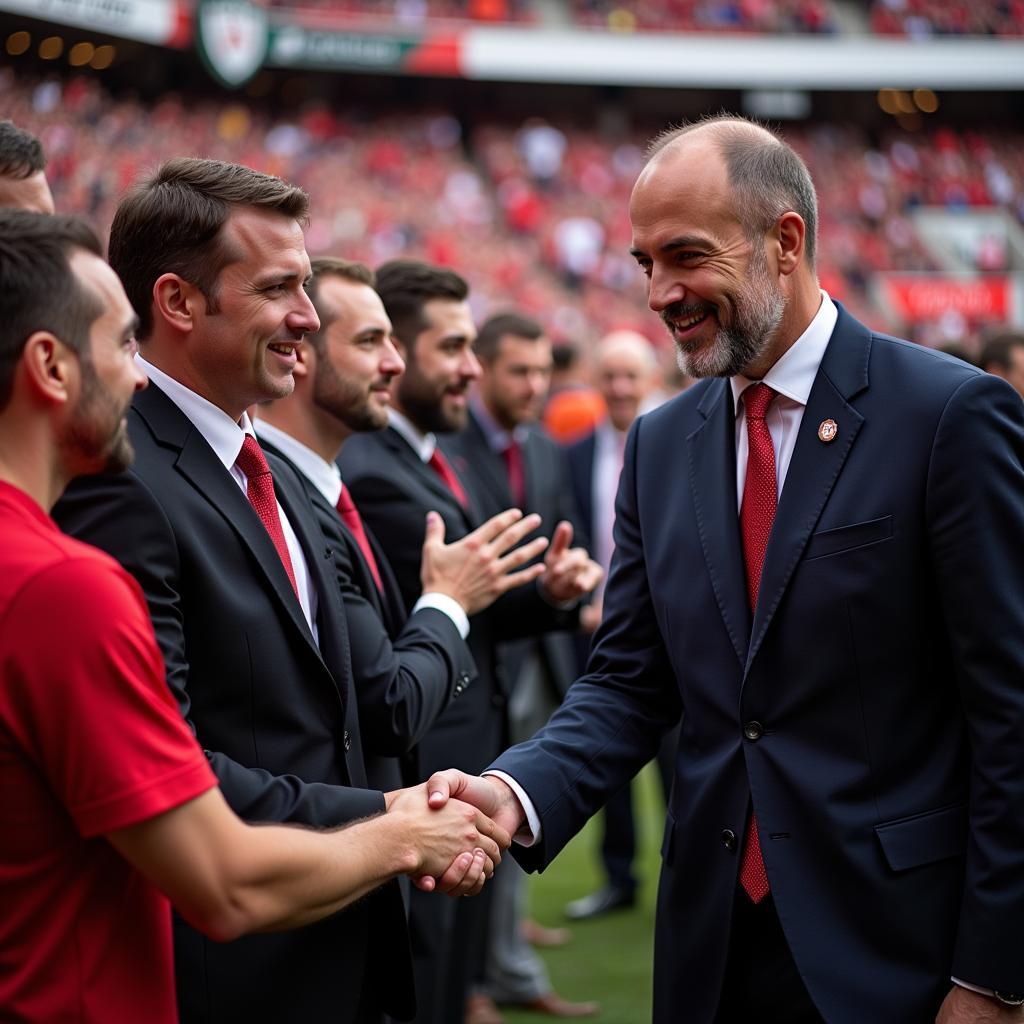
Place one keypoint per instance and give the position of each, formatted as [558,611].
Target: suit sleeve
[975,515]
[612,720]
[120,515]
[404,684]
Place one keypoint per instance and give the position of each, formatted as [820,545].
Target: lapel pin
[828,430]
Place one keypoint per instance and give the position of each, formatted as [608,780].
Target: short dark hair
[406,286]
[998,350]
[326,266]
[501,325]
[172,223]
[21,153]
[38,289]
[766,174]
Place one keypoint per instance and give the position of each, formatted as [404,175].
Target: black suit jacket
[870,709]
[547,494]
[273,709]
[394,489]
[406,668]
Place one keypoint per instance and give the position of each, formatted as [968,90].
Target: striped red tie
[760,496]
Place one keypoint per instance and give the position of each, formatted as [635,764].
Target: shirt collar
[324,476]
[793,374]
[422,444]
[498,438]
[220,431]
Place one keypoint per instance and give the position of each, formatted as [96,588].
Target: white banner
[149,21]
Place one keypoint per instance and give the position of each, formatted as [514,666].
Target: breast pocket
[845,538]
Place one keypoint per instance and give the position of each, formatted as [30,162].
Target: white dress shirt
[226,437]
[326,478]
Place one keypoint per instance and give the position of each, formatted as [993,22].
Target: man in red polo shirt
[109,805]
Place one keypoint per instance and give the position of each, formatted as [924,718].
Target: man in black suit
[818,557]
[398,475]
[407,666]
[510,460]
[240,584]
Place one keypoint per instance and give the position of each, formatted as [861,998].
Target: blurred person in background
[509,460]
[23,183]
[110,806]
[396,477]
[573,406]
[1003,355]
[626,373]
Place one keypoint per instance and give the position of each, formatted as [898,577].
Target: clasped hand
[453,846]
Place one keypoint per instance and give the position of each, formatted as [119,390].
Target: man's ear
[790,236]
[176,301]
[50,367]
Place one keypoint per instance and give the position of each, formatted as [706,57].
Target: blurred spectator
[23,182]
[1003,355]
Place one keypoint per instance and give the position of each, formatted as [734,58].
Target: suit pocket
[924,838]
[843,538]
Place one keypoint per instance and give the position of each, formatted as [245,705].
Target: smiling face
[711,284]
[243,344]
[356,359]
[439,368]
[95,437]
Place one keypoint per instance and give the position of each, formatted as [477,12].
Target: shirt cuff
[447,606]
[530,832]
[974,988]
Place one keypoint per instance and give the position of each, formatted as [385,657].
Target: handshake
[455,827]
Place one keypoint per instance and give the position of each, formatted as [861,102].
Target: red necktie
[760,496]
[442,467]
[354,521]
[516,475]
[260,491]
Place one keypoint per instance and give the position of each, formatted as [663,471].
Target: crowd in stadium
[535,212]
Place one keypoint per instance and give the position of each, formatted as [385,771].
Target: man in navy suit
[818,561]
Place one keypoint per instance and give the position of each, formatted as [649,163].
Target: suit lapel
[815,465]
[421,471]
[713,484]
[487,464]
[199,465]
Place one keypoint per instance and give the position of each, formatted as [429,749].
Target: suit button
[347,741]
[753,730]
[729,839]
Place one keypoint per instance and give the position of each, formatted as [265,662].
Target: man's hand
[488,793]
[962,1006]
[569,573]
[590,616]
[454,847]
[478,569]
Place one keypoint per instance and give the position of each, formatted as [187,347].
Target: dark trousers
[762,982]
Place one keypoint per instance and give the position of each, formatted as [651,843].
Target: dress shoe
[543,938]
[553,1005]
[600,902]
[481,1009]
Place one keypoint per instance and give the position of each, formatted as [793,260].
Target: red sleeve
[88,702]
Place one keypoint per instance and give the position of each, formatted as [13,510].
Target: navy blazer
[871,709]
[273,709]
